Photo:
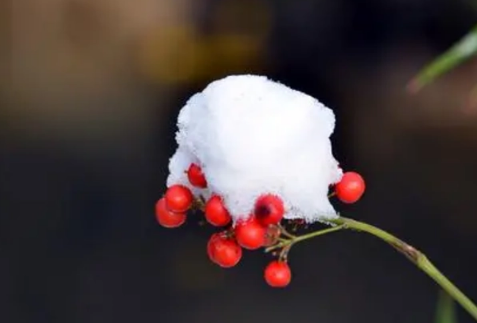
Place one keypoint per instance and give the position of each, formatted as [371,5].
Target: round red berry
[167,218]
[211,246]
[277,274]
[350,188]
[196,177]
[178,198]
[216,213]
[250,234]
[223,251]
[269,209]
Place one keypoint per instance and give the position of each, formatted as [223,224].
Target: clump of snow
[253,136]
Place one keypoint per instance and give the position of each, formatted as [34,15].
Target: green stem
[318,233]
[289,242]
[414,255]
[286,233]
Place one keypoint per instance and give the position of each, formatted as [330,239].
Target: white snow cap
[253,136]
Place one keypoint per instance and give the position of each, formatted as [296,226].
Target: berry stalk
[295,239]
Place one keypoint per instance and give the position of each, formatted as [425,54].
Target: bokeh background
[89,94]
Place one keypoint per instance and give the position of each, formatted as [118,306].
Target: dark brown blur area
[89,94]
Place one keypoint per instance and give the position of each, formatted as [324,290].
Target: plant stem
[318,233]
[295,239]
[286,233]
[414,255]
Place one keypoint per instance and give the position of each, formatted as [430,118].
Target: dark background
[89,98]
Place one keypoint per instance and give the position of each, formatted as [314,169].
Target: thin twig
[413,254]
[416,257]
[285,232]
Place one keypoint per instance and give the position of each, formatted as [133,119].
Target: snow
[253,136]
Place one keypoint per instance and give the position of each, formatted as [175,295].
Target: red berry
[350,188]
[250,234]
[223,251]
[178,198]
[278,274]
[211,245]
[269,209]
[216,213]
[196,177]
[167,218]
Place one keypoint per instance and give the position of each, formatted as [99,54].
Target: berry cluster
[262,228]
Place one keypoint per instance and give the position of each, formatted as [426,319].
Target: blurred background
[89,95]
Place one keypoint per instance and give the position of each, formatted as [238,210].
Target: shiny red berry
[269,209]
[350,188]
[250,234]
[211,246]
[167,218]
[277,274]
[216,213]
[223,251]
[196,177]
[178,198]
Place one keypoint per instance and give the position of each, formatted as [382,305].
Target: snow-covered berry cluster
[254,154]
